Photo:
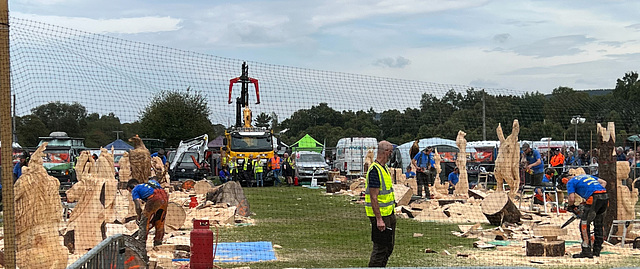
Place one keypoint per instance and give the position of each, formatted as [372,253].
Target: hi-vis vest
[232,167]
[386,198]
[246,164]
[257,166]
[275,162]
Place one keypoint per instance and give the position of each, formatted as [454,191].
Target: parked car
[311,164]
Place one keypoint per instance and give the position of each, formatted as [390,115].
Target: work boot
[586,253]
[596,251]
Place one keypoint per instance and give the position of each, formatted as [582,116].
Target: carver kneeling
[593,210]
[155,201]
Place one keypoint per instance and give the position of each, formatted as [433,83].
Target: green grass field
[317,230]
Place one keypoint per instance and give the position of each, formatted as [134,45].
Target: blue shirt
[223,174]
[423,159]
[410,174]
[143,191]
[534,158]
[545,179]
[584,185]
[164,158]
[17,171]
[453,178]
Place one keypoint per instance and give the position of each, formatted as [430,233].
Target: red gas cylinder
[295,181]
[194,201]
[201,245]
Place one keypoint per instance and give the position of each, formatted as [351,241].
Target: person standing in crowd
[558,159]
[248,170]
[453,179]
[620,156]
[275,164]
[409,174]
[160,154]
[380,206]
[287,165]
[423,161]
[592,189]
[17,169]
[258,169]
[535,166]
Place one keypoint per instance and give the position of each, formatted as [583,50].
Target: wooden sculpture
[87,217]
[462,187]
[415,148]
[124,173]
[627,198]
[368,159]
[507,162]
[140,160]
[607,169]
[159,170]
[38,217]
[441,188]
[105,172]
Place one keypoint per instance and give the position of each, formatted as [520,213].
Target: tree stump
[498,208]
[540,247]
[333,187]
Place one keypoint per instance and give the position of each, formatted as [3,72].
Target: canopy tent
[307,143]
[118,144]
[216,143]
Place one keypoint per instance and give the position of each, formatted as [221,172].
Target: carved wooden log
[540,247]
[498,208]
[140,160]
[440,187]
[105,172]
[88,215]
[37,216]
[607,169]
[507,161]
[124,173]
[462,187]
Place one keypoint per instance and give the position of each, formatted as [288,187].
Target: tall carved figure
[124,173]
[87,217]
[105,172]
[440,187]
[462,187]
[38,217]
[507,163]
[140,160]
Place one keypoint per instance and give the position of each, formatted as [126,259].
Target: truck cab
[60,157]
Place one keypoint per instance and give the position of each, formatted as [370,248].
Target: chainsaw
[577,211]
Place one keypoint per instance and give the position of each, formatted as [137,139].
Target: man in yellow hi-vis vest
[380,206]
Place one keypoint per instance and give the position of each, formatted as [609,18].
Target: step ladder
[625,229]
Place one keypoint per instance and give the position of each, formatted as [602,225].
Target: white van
[351,152]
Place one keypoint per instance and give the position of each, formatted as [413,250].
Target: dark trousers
[422,179]
[382,250]
[594,213]
[533,179]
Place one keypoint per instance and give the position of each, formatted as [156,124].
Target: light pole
[575,120]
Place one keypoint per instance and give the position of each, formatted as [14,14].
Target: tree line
[177,115]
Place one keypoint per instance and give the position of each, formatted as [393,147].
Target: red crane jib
[255,84]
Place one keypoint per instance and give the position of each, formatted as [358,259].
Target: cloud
[398,62]
[501,38]
[484,83]
[634,27]
[136,25]
[555,46]
[342,11]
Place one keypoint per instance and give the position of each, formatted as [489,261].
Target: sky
[519,45]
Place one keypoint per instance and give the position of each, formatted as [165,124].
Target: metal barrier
[109,253]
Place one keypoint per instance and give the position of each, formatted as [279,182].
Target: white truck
[351,153]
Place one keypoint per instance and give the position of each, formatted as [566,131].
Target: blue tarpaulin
[118,144]
[245,252]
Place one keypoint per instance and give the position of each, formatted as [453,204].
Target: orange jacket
[557,160]
[275,162]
